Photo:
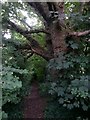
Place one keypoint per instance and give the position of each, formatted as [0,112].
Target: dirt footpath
[34,104]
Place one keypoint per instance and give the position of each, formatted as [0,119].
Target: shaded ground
[34,104]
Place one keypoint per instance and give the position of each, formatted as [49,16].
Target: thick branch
[79,34]
[40,9]
[36,48]
[26,31]
[37,31]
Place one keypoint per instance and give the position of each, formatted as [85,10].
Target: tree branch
[37,31]
[40,9]
[36,48]
[20,30]
[79,34]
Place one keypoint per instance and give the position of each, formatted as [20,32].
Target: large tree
[65,30]
[55,28]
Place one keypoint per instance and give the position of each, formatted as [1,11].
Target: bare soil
[34,104]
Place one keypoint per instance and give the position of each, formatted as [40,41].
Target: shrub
[70,78]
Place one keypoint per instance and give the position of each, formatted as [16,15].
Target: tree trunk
[58,40]
[57,31]
[55,41]
[59,47]
[58,35]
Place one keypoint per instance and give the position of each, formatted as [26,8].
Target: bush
[12,79]
[11,85]
[70,79]
[36,66]
[72,95]
[55,110]
[44,87]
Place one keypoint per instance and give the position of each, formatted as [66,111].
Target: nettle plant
[71,86]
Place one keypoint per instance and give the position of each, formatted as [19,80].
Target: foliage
[11,84]
[20,14]
[71,85]
[55,110]
[12,76]
[13,110]
[73,95]
[3,115]
[16,80]
[36,66]
[44,87]
[78,15]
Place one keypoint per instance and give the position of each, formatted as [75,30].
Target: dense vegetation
[64,83]
[71,87]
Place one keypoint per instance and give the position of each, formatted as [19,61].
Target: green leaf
[76,104]
[74,46]
[85,108]
[70,106]
[61,100]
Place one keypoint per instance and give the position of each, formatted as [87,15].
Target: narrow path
[34,104]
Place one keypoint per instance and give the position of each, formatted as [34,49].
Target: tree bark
[58,35]
[58,40]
